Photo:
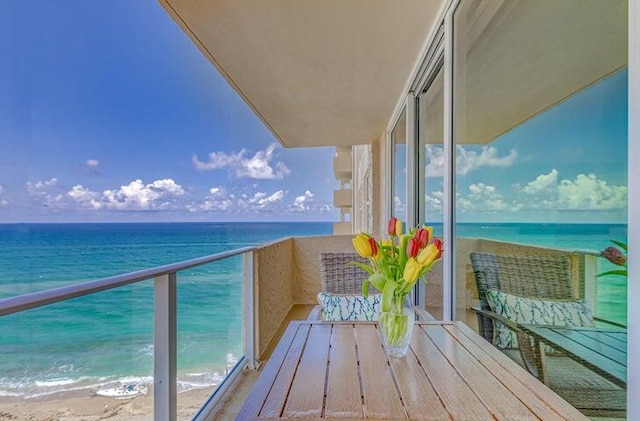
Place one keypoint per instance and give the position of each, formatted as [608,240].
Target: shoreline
[85,405]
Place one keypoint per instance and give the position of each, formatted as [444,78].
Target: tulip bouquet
[396,264]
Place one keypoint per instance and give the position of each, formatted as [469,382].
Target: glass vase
[396,326]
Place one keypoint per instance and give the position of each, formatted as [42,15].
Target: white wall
[633,372]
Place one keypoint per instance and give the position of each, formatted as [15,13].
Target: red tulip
[413,247]
[394,227]
[438,243]
[423,237]
[374,246]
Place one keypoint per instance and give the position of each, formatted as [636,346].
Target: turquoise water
[105,340]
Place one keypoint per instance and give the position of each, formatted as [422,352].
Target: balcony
[280,282]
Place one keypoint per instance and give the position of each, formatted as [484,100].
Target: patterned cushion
[532,311]
[345,307]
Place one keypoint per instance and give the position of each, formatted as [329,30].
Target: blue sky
[108,112]
[568,164]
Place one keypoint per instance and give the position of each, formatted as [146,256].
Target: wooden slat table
[603,350]
[327,371]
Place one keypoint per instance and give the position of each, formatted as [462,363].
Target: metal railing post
[249,310]
[164,348]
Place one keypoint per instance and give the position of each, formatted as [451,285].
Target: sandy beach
[81,405]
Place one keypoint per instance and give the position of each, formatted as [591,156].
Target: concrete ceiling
[317,72]
[514,59]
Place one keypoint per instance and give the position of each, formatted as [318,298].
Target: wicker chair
[543,277]
[339,277]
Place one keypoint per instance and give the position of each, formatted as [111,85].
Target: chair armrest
[532,353]
[610,322]
[514,326]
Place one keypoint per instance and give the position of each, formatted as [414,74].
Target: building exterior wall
[362,188]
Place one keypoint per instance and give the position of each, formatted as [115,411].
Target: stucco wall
[275,271]
[307,256]
[287,272]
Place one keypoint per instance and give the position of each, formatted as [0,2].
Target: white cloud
[217,160]
[3,202]
[137,195]
[543,182]
[221,201]
[92,163]
[267,201]
[84,196]
[467,161]
[46,192]
[301,203]
[257,197]
[434,201]
[39,187]
[585,192]
[258,166]
[485,198]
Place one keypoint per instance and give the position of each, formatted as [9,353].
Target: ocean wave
[54,382]
[199,381]
[120,387]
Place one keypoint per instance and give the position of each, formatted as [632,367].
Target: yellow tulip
[428,255]
[398,226]
[412,270]
[364,245]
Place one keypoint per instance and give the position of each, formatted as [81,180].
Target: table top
[603,350]
[324,370]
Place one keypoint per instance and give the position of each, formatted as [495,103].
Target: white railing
[164,309]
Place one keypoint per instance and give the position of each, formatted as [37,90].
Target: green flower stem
[396,322]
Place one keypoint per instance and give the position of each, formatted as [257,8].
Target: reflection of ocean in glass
[612,290]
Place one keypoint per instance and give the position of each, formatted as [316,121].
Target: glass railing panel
[210,330]
[83,357]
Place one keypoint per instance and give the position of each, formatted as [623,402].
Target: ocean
[104,342]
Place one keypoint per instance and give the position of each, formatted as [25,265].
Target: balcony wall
[288,273]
